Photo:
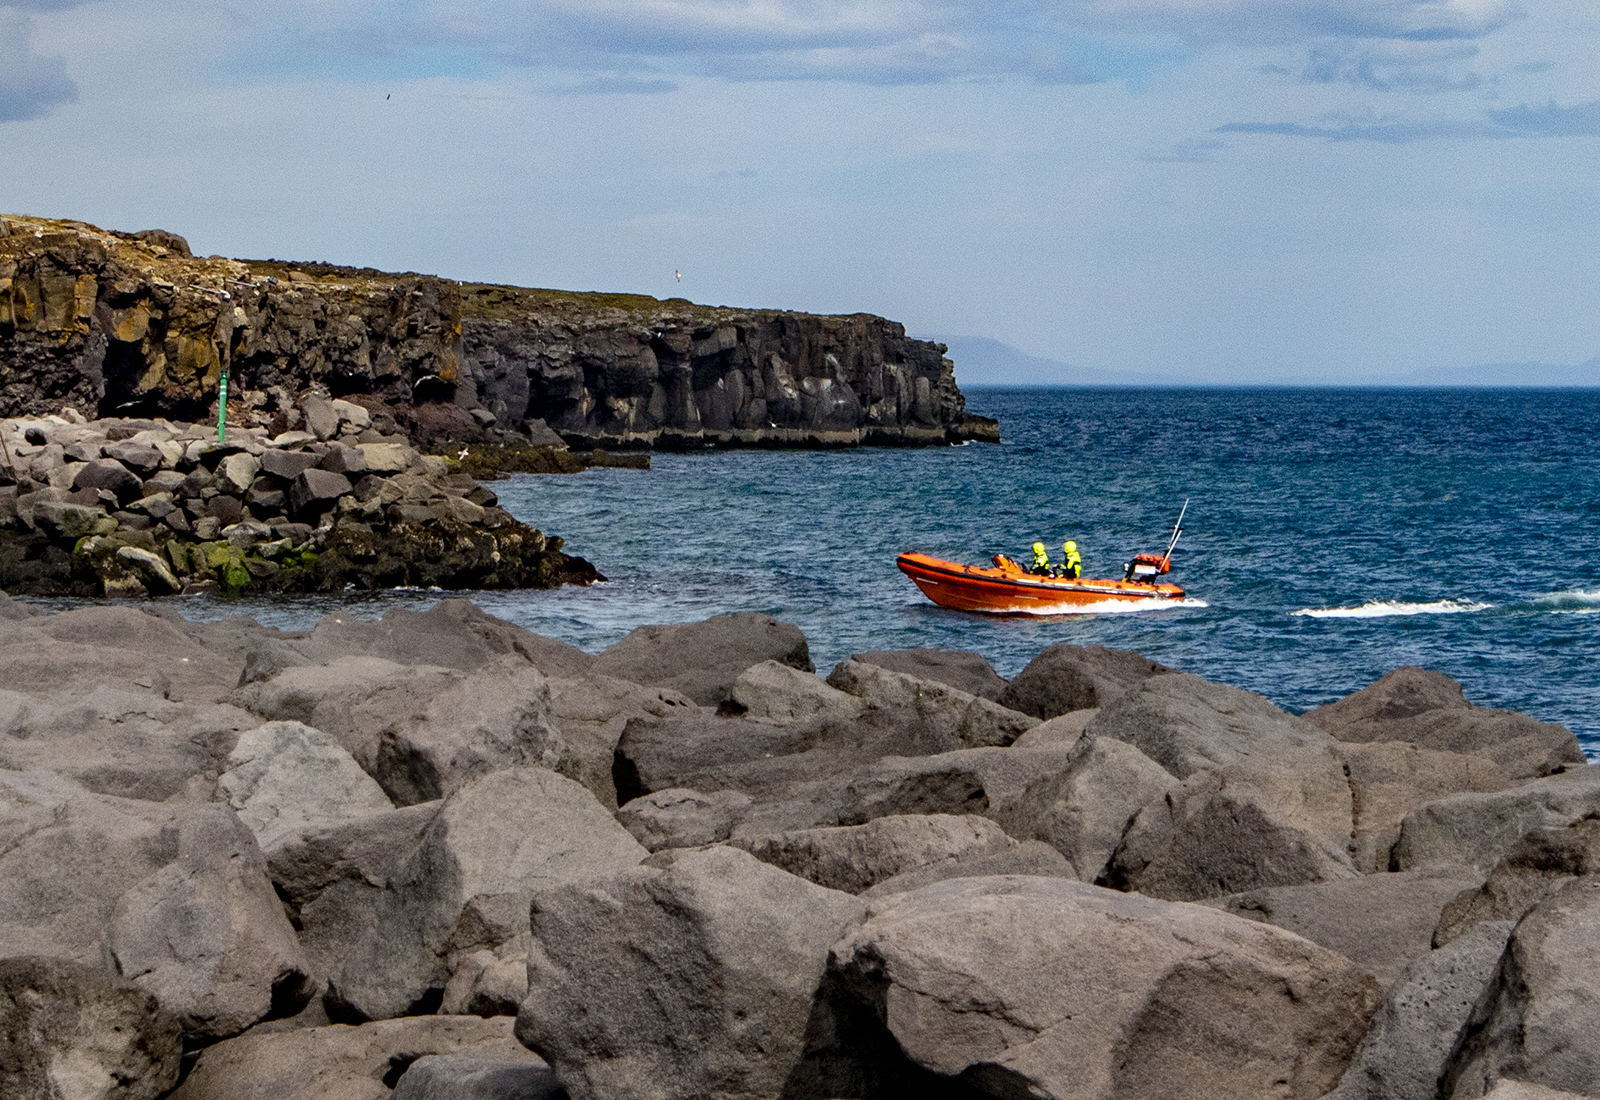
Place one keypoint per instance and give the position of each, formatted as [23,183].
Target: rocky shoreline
[138,507]
[133,325]
[436,856]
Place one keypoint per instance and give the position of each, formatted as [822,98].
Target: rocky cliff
[131,324]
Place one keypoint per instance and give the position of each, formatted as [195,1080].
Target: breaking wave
[1382,609]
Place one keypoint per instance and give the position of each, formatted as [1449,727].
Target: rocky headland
[133,325]
[437,856]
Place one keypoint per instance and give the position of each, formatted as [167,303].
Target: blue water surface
[1332,535]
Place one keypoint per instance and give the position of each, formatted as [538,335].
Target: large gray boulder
[466,885]
[1381,922]
[703,659]
[964,671]
[497,1076]
[1018,857]
[591,712]
[679,817]
[1539,864]
[1265,821]
[779,693]
[1392,778]
[338,1062]
[454,633]
[173,896]
[1477,830]
[973,722]
[75,1032]
[856,858]
[1065,678]
[1430,710]
[333,881]
[422,732]
[285,778]
[1083,810]
[1407,1049]
[1539,1020]
[129,741]
[1050,987]
[712,960]
[1187,724]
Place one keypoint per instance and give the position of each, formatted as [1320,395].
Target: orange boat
[1008,588]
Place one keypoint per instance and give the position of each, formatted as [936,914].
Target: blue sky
[1228,190]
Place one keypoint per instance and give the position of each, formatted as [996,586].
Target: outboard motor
[1145,567]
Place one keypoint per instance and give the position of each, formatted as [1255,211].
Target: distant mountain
[981,361]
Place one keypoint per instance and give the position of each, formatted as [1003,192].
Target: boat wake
[1112,607]
[1383,609]
[1575,601]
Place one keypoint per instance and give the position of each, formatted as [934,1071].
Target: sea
[1331,535]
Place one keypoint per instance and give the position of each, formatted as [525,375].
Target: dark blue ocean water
[1332,535]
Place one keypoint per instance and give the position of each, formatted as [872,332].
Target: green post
[222,407]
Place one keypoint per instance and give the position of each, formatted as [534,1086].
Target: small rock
[322,419]
[150,569]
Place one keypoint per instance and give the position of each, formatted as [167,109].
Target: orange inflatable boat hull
[1007,588]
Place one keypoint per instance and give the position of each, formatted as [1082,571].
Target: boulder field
[134,507]
[437,856]
[132,324]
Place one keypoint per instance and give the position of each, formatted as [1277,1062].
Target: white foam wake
[1382,609]
[1575,601]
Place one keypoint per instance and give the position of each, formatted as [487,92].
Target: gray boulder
[76,1032]
[591,712]
[1083,810]
[338,1062]
[454,633]
[1187,724]
[1049,987]
[779,693]
[702,660]
[1261,822]
[926,784]
[1381,922]
[1477,830]
[1538,865]
[1064,729]
[1520,1090]
[1430,710]
[489,982]
[314,491]
[421,732]
[855,858]
[971,721]
[968,672]
[479,1077]
[466,885]
[678,817]
[1407,1049]
[1392,778]
[285,778]
[110,881]
[1024,857]
[1065,678]
[121,740]
[712,961]
[1539,1020]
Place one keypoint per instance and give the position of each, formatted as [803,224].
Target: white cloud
[31,86]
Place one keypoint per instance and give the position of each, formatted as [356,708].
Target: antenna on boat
[1177,529]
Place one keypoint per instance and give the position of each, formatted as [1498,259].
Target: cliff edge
[132,324]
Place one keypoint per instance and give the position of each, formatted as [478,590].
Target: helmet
[1069,545]
[1038,548]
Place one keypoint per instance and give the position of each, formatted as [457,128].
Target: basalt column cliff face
[131,324]
[627,370]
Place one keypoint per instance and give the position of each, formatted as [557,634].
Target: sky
[1224,190]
